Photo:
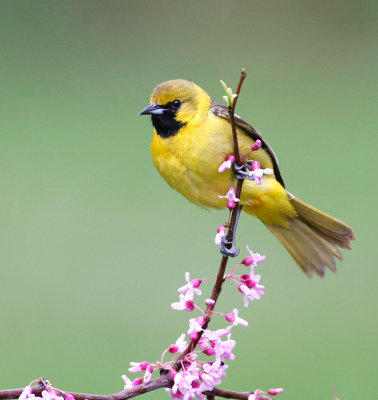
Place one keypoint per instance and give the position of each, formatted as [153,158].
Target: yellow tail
[312,238]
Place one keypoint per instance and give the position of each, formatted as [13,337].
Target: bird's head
[176,103]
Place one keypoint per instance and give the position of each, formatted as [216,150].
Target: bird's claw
[232,251]
[241,172]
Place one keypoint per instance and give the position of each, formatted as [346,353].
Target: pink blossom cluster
[256,173]
[49,394]
[202,353]
[196,376]
[143,366]
[205,366]
[248,284]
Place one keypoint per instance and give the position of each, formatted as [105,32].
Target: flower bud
[256,145]
[173,348]
[273,392]
[143,365]
[196,283]
[137,381]
[231,204]
[209,302]
[248,261]
[230,317]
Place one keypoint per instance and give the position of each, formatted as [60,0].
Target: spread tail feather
[312,238]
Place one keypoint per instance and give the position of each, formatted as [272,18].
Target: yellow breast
[189,162]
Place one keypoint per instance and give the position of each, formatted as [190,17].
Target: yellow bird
[192,138]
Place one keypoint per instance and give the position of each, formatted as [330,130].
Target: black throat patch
[166,124]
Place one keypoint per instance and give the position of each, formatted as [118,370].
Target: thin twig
[230,234]
[231,111]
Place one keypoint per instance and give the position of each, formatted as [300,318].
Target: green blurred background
[94,243]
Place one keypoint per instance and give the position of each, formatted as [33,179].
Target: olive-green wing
[222,111]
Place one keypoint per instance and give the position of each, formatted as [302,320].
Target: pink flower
[138,366]
[251,289]
[27,393]
[204,343]
[221,232]
[226,164]
[184,304]
[195,326]
[191,287]
[257,173]
[253,259]
[273,391]
[179,346]
[69,397]
[231,198]
[148,373]
[212,373]
[50,395]
[213,335]
[235,319]
[186,384]
[128,383]
[256,395]
[224,348]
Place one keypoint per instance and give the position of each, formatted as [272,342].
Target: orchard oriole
[193,136]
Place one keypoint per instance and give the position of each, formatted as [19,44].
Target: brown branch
[163,381]
[231,111]
[228,394]
[158,383]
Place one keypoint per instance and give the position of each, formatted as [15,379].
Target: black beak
[153,108]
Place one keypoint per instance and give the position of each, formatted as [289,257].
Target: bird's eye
[176,103]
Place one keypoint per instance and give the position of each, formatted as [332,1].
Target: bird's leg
[228,247]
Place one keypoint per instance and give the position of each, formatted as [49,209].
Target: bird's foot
[228,251]
[241,172]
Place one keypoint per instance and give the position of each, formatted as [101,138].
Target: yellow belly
[189,162]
